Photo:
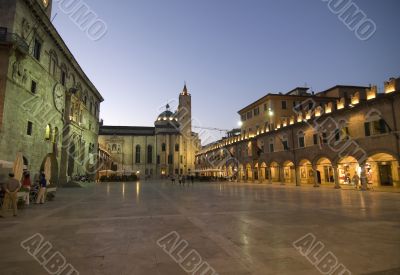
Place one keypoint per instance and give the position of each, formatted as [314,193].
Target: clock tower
[46,6]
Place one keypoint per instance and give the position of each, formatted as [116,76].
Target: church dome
[167,116]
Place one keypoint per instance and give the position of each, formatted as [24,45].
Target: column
[270,175]
[336,177]
[298,178]
[316,183]
[281,175]
[363,177]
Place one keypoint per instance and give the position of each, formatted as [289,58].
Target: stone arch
[348,167]
[306,171]
[263,172]
[289,171]
[274,171]
[382,169]
[324,170]
[249,173]
[317,159]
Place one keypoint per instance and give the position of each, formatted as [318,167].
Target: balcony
[13,39]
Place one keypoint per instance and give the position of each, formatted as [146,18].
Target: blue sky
[230,52]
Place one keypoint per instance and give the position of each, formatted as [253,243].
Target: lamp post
[63,179]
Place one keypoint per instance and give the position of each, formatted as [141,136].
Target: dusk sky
[230,53]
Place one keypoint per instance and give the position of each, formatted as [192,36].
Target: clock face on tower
[59,97]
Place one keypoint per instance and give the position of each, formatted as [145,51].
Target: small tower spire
[185,90]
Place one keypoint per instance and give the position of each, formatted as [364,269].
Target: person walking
[192,179]
[180,179]
[356,180]
[27,184]
[42,191]
[11,188]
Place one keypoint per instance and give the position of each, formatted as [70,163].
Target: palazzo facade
[48,106]
[330,138]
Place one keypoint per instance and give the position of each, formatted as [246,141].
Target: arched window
[149,154]
[53,63]
[177,147]
[163,147]
[47,134]
[302,141]
[137,158]
[63,74]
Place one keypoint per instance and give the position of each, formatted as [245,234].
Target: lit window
[48,132]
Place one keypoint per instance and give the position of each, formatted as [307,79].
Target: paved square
[113,228]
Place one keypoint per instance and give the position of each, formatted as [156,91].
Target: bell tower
[185,113]
[185,129]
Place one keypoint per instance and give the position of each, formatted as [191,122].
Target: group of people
[11,188]
[182,179]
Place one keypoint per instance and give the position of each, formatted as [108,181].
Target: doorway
[385,174]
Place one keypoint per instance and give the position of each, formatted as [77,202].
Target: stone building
[48,106]
[168,148]
[277,110]
[356,133]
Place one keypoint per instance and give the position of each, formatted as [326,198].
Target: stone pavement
[113,228]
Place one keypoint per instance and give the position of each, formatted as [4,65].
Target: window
[29,129]
[176,147]
[53,63]
[342,134]
[377,127]
[256,111]
[243,117]
[337,134]
[149,154]
[181,159]
[285,145]
[47,135]
[249,115]
[284,105]
[315,139]
[137,155]
[265,107]
[301,142]
[170,159]
[33,87]
[158,159]
[37,48]
[271,147]
[63,78]
[163,147]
